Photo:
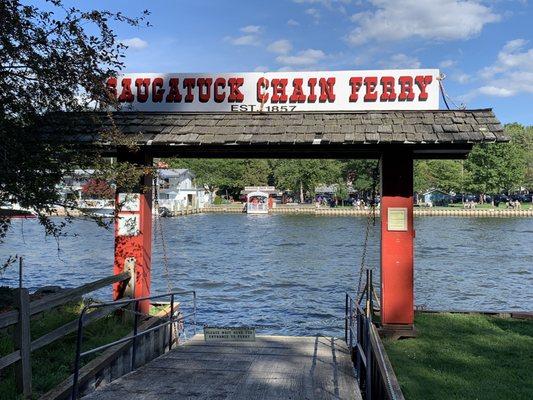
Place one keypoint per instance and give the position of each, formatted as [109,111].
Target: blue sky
[485,48]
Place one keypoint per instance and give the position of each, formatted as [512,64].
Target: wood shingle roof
[418,127]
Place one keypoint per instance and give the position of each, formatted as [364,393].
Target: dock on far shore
[271,367]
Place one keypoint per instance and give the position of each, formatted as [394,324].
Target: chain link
[159,228]
[370,217]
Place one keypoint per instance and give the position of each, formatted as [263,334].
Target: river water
[287,274]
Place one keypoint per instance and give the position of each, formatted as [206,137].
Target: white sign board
[397,219]
[241,334]
[413,89]
[128,225]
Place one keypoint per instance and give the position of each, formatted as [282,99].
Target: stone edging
[496,213]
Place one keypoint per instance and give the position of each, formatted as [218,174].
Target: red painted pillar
[397,237]
[133,232]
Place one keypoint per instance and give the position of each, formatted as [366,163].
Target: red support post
[133,232]
[397,239]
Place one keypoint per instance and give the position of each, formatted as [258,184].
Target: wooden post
[133,231]
[22,341]
[397,240]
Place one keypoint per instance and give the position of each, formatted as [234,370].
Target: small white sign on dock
[221,333]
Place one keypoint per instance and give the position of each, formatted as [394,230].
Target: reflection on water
[288,274]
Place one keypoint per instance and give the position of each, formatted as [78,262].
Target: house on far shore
[177,190]
[434,197]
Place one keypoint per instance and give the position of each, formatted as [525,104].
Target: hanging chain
[371,217]
[159,228]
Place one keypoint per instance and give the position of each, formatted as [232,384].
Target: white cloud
[282,46]
[509,58]
[461,77]
[325,3]
[314,13]
[400,61]
[496,91]
[244,40]
[447,63]
[292,22]
[509,75]
[394,20]
[302,58]
[135,43]
[251,29]
[512,73]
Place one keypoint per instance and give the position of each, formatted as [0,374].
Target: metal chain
[370,217]
[159,226]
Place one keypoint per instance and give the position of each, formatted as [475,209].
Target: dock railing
[173,318]
[375,375]
[20,318]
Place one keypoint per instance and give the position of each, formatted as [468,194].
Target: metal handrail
[362,337]
[171,320]
[358,324]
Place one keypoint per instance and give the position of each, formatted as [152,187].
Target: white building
[177,190]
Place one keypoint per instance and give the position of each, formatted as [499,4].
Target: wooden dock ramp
[270,368]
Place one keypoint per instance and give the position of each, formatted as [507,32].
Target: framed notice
[240,334]
[397,219]
[128,225]
[129,201]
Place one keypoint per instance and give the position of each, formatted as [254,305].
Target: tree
[230,175]
[52,58]
[302,176]
[98,189]
[496,167]
[361,174]
[522,136]
[447,175]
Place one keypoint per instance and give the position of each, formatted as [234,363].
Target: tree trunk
[301,192]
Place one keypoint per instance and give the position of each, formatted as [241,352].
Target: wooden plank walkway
[271,368]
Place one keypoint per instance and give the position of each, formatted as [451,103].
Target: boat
[257,203]
[97,207]
[14,210]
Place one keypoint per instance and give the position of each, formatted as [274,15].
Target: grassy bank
[457,356]
[53,363]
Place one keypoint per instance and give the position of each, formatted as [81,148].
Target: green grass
[458,356]
[53,363]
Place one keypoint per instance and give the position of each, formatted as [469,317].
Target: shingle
[358,127]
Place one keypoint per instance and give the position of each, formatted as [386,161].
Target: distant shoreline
[237,208]
[343,211]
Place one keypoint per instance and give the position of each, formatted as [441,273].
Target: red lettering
[387,83]
[371,82]
[262,83]
[298,95]
[422,82]
[204,96]
[355,82]
[326,90]
[188,83]
[235,95]
[112,87]
[406,88]
[219,96]
[157,90]
[312,96]
[142,89]
[278,90]
[126,96]
[174,95]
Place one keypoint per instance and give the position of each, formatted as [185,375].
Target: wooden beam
[11,358]
[58,299]
[70,327]
[22,342]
